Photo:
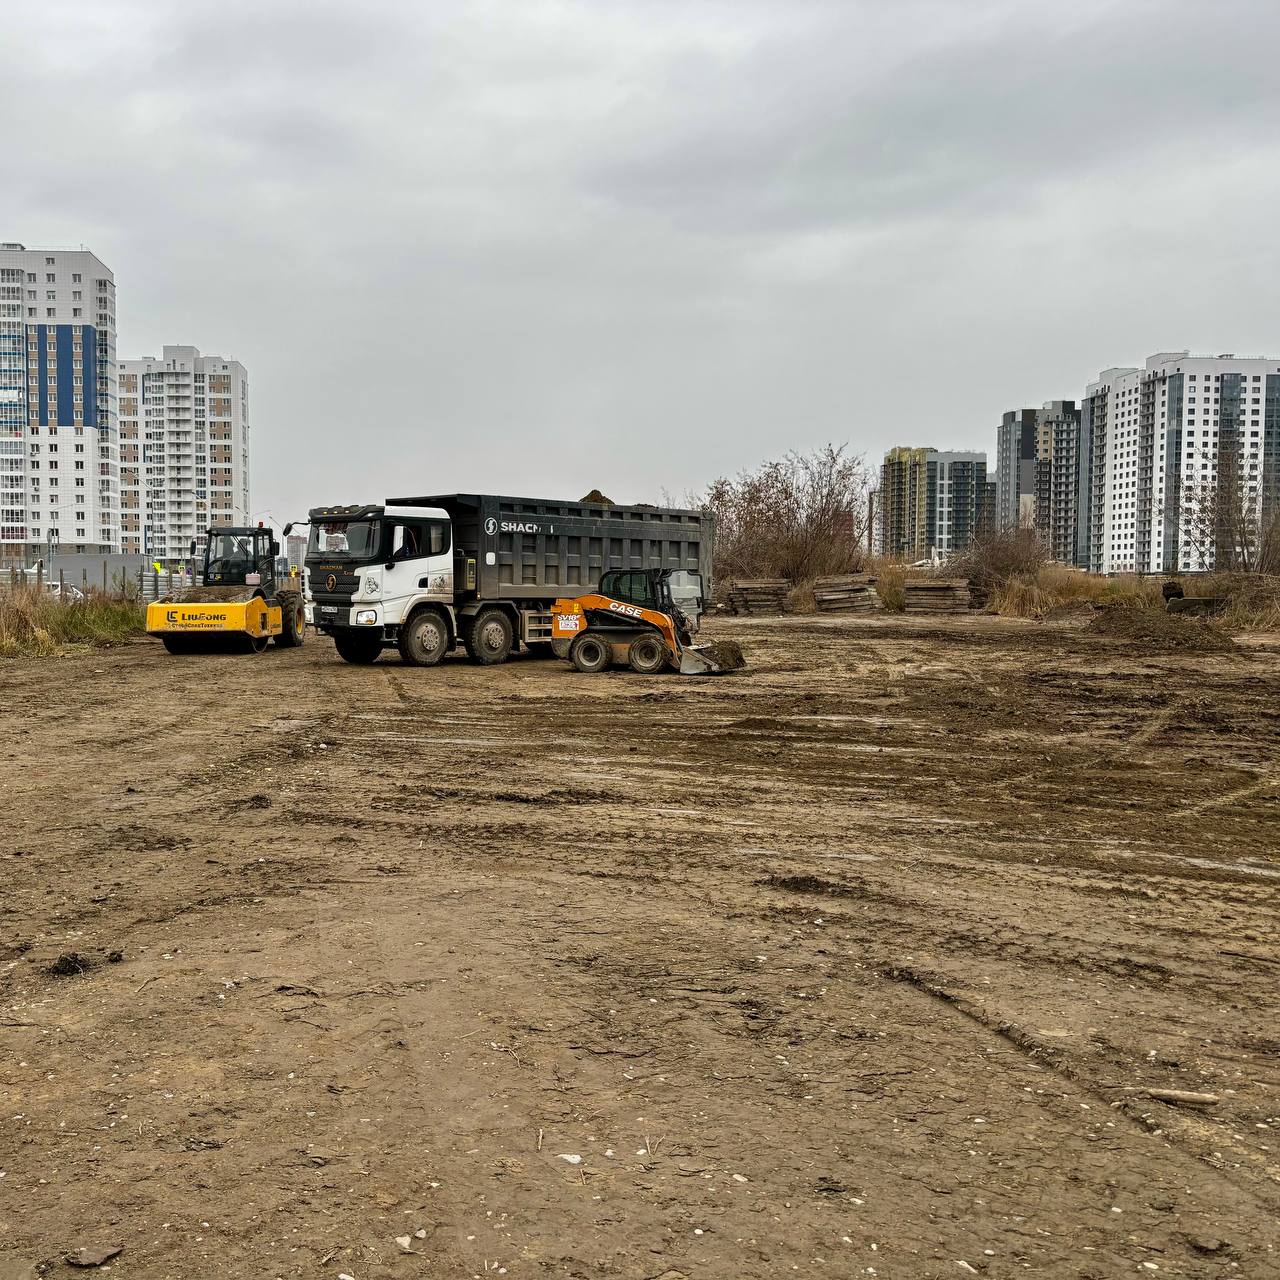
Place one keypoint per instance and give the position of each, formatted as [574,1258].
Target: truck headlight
[366,617]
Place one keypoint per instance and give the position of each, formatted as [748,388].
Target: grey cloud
[637,243]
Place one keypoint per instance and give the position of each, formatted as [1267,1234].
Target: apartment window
[75,277]
[51,312]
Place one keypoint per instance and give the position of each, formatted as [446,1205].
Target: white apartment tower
[184,450]
[1156,445]
[59,481]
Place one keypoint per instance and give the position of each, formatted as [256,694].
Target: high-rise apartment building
[1164,446]
[931,503]
[1037,463]
[904,504]
[59,478]
[184,450]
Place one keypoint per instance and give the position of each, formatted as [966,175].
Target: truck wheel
[647,655]
[590,653]
[490,638]
[177,644]
[424,639]
[357,646]
[293,623]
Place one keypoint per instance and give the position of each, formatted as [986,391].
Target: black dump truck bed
[535,548]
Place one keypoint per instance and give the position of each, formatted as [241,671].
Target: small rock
[94,1255]
[420,1234]
[405,1243]
[572,1159]
[68,965]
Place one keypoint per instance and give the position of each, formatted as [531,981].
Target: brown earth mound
[1155,629]
[596,496]
[726,654]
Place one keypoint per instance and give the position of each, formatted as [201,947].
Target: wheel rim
[595,653]
[430,637]
[493,635]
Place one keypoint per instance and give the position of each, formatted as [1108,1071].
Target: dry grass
[1253,599]
[800,599]
[1054,586]
[38,623]
[890,586]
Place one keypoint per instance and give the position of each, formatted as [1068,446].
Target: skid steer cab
[239,605]
[644,619]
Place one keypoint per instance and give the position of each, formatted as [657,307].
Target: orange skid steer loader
[641,618]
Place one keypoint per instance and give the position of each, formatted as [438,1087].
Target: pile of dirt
[1158,630]
[595,496]
[726,654]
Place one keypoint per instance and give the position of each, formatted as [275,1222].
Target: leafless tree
[799,517]
[1225,522]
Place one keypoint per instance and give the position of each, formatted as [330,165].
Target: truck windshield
[354,540]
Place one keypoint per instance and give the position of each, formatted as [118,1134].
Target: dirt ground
[856,963]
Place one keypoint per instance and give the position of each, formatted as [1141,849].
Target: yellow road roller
[241,605]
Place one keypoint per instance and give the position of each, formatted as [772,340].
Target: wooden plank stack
[937,595]
[847,593]
[759,596]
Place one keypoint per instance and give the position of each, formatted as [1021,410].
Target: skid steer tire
[590,654]
[490,637]
[357,647]
[177,644]
[424,639]
[293,623]
[647,655]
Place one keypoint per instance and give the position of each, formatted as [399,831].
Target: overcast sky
[534,247]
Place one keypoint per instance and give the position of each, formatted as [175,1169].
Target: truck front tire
[424,639]
[359,647]
[490,637]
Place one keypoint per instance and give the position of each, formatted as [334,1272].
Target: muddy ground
[857,963]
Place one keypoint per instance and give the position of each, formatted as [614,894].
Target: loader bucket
[715,659]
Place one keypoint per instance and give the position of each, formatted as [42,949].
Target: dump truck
[644,619]
[429,573]
[239,605]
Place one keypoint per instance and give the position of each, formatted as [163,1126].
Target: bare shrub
[801,517]
[997,555]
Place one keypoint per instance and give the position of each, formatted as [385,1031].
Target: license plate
[329,608]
